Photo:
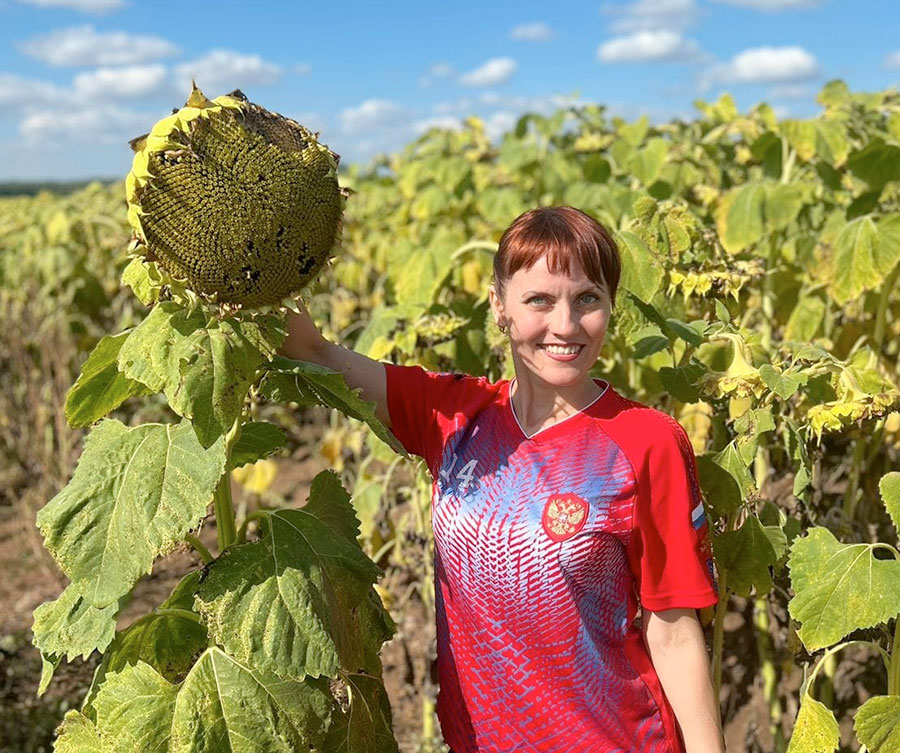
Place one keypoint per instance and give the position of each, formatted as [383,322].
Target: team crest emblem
[564,516]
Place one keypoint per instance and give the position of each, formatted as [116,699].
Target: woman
[558,508]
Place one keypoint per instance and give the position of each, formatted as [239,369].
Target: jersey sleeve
[669,549]
[427,406]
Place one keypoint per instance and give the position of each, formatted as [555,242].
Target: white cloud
[87,6]
[108,124]
[499,123]
[16,91]
[791,91]
[533,32]
[648,45]
[652,15]
[120,83]
[221,71]
[83,46]
[773,4]
[444,121]
[494,71]
[372,115]
[301,69]
[766,65]
[892,59]
[438,70]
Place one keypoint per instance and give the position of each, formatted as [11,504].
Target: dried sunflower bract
[241,204]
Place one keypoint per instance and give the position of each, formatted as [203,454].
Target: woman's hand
[677,649]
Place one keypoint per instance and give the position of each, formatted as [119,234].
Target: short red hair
[562,234]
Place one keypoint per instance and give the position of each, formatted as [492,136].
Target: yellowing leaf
[877,724]
[816,730]
[839,588]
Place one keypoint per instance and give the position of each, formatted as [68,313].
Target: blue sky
[79,78]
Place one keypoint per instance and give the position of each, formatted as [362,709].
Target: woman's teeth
[562,350]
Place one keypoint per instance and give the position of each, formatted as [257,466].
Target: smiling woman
[560,511]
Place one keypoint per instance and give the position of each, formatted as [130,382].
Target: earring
[501,327]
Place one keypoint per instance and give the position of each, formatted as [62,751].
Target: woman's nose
[565,321]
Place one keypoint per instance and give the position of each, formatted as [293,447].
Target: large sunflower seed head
[241,203]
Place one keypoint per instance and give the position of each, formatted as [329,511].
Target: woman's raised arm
[306,343]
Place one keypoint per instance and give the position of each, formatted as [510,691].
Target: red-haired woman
[560,509]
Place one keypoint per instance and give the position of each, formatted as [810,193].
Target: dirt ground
[30,578]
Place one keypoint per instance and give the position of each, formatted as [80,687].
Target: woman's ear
[496,306]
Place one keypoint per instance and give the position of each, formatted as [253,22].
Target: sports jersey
[545,546]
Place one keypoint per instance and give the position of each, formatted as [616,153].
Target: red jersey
[545,546]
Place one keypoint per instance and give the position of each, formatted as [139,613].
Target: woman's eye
[537,299]
[590,297]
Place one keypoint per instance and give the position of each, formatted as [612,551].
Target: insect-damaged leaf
[366,725]
[839,588]
[69,626]
[308,383]
[100,387]
[815,730]
[220,706]
[289,603]
[877,724]
[77,734]
[167,640]
[135,493]
[203,365]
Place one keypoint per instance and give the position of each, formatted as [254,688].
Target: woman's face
[556,322]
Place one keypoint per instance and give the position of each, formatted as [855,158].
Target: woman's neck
[537,404]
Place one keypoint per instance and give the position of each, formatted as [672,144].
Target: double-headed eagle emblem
[564,516]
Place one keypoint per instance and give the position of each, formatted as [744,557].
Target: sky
[80,78]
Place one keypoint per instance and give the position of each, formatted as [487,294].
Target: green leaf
[720,489]
[204,366]
[366,726]
[795,444]
[135,493]
[296,381]
[887,251]
[732,462]
[877,724]
[740,217]
[646,162]
[69,626]
[330,503]
[783,385]
[746,555]
[258,440]
[749,427]
[806,319]
[221,700]
[642,272]
[820,138]
[134,710]
[182,596]
[144,279]
[77,734]
[816,730]
[597,169]
[100,388]
[889,486]
[855,268]
[679,381]
[839,588]
[876,163]
[221,706]
[288,603]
